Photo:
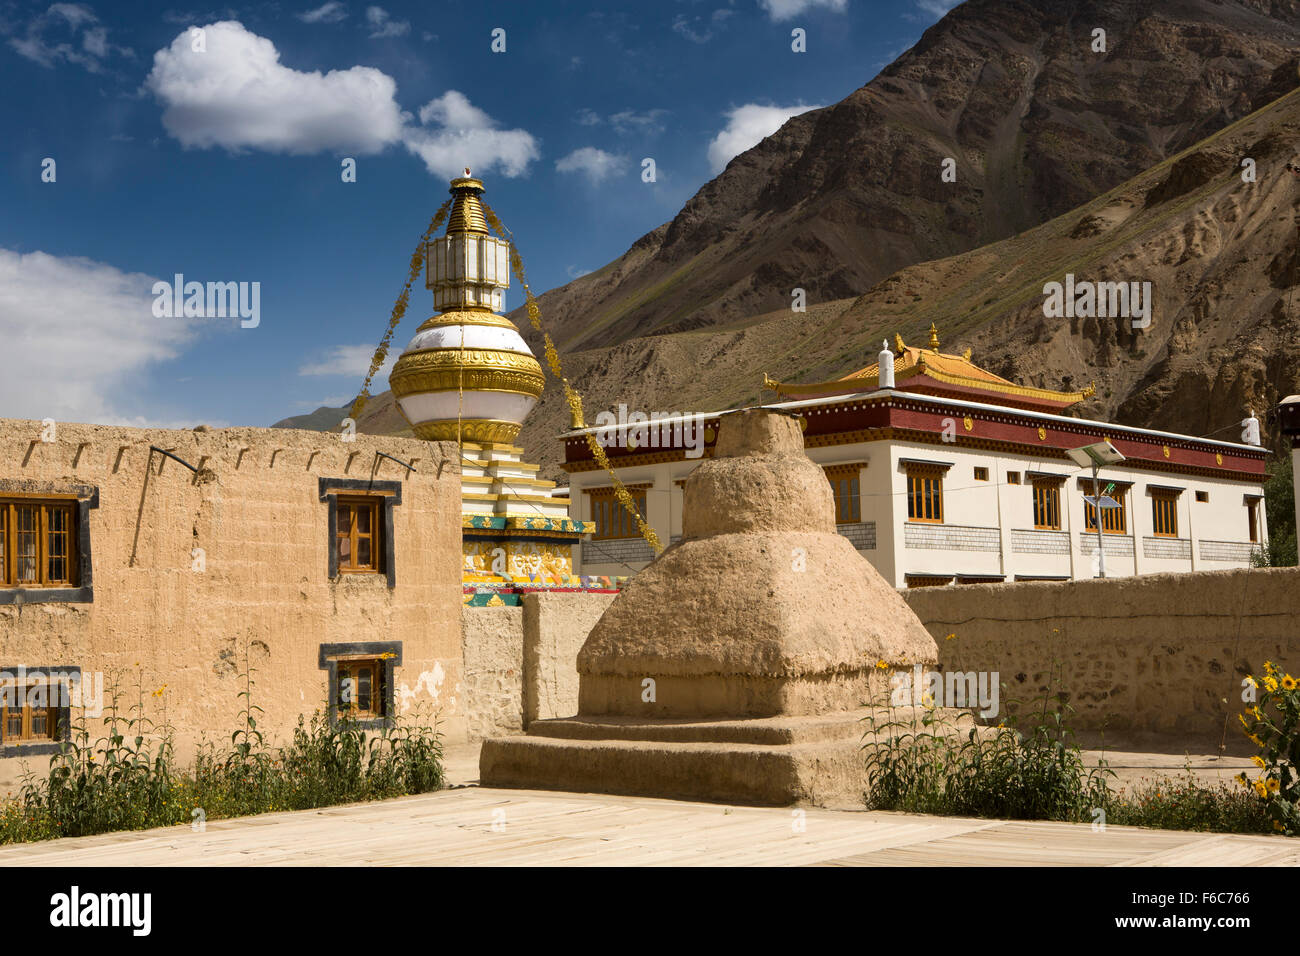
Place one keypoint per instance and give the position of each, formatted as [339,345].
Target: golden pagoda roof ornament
[934,337]
[899,347]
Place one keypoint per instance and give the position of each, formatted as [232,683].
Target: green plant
[1271,725]
[126,779]
[932,765]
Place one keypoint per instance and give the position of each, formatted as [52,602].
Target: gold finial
[770,383]
[1091,390]
[934,337]
[467,209]
[898,344]
[966,354]
[575,404]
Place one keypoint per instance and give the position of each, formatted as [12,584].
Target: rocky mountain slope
[1037,122]
[1221,254]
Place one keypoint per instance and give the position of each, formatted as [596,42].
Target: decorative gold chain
[570,394]
[399,309]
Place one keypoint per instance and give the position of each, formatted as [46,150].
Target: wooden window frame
[605,507]
[1164,514]
[925,495]
[1252,519]
[846,491]
[1047,505]
[358,504]
[981,473]
[16,683]
[1013,477]
[1121,495]
[352,669]
[339,660]
[389,495]
[45,507]
[1203,497]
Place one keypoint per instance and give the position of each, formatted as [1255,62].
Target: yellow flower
[1260,788]
[1289,682]
[1242,718]
[1270,683]
[1274,785]
[1270,667]
[881,665]
[1277,826]
[1258,761]
[1241,779]
[951,637]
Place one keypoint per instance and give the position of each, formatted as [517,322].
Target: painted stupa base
[496,592]
[718,673]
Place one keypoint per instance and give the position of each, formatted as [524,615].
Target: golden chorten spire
[934,337]
[467,375]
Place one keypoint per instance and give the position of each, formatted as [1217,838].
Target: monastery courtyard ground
[473,826]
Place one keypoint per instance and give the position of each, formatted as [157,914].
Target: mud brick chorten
[739,664]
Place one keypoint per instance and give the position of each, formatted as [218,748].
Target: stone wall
[191,575]
[555,627]
[492,641]
[521,662]
[1156,653]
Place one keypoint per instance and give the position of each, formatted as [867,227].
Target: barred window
[1047,505]
[925,496]
[612,519]
[1164,514]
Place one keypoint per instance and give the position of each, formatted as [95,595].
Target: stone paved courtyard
[473,826]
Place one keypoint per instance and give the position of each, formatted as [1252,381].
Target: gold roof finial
[898,344]
[934,337]
[966,354]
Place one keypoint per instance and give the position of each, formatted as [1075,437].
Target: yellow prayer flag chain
[570,394]
[399,309]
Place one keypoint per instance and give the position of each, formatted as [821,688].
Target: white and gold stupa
[468,376]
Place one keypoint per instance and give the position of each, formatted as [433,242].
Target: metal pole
[1101,544]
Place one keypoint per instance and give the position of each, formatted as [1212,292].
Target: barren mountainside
[1038,123]
[1221,255]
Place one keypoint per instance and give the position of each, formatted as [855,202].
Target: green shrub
[126,779]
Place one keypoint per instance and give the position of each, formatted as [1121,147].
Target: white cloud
[780,10]
[747,125]
[937,8]
[596,164]
[646,123]
[331,12]
[577,272]
[352,361]
[455,134]
[236,94]
[50,38]
[384,26]
[77,336]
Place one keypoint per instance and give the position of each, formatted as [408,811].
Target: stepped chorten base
[772,761]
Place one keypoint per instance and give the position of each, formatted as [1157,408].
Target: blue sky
[224,164]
